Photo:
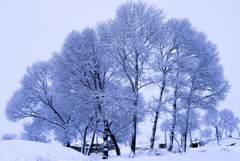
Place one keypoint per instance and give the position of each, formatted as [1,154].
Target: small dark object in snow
[162,146]
[233,144]
[157,153]
[76,148]
[194,145]
[96,148]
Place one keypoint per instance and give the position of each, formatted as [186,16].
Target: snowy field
[17,150]
[211,152]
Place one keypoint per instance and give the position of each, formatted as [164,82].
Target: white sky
[31,30]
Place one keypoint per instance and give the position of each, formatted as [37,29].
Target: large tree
[228,121]
[207,85]
[36,99]
[85,71]
[169,50]
[134,30]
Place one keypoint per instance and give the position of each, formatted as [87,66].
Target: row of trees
[203,127]
[206,127]
[223,122]
[93,85]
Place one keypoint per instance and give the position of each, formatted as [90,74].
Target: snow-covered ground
[17,150]
[210,152]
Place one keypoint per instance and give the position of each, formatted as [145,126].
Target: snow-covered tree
[36,99]
[206,84]
[165,127]
[228,121]
[222,121]
[92,85]
[237,126]
[82,71]
[85,70]
[205,134]
[37,131]
[9,136]
[169,53]
[211,118]
[134,30]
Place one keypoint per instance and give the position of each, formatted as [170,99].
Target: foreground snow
[211,152]
[18,150]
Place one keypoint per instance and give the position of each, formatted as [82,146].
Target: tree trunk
[113,138]
[185,137]
[97,134]
[217,135]
[134,134]
[190,137]
[152,141]
[84,140]
[185,141]
[182,140]
[165,137]
[68,143]
[105,140]
[174,115]
[92,141]
[238,131]
[170,147]
[186,126]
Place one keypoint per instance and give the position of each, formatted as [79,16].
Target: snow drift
[19,150]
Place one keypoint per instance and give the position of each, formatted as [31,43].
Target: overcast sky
[30,30]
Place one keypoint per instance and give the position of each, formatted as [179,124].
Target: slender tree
[134,29]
